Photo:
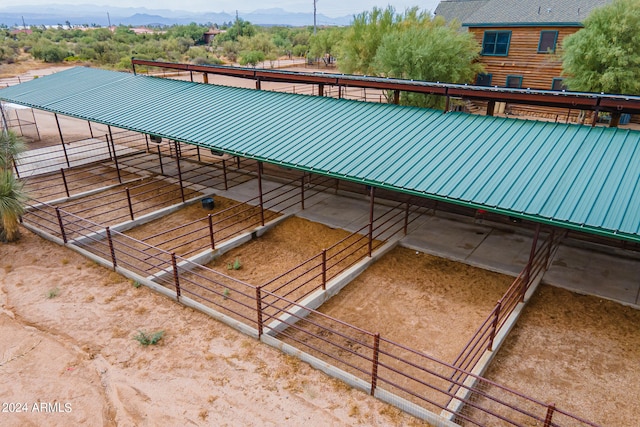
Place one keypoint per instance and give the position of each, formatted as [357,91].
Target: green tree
[325,42]
[252,57]
[240,28]
[12,196]
[429,50]
[363,38]
[604,56]
[412,45]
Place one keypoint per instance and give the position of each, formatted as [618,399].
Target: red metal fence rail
[482,339]
[384,364]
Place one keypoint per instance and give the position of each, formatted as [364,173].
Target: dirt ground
[436,304]
[195,237]
[67,339]
[580,352]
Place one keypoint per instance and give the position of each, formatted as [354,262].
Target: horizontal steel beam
[546,98]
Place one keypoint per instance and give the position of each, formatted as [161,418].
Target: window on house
[547,42]
[514,82]
[558,84]
[496,43]
[483,79]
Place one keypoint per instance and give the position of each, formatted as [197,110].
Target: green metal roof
[567,175]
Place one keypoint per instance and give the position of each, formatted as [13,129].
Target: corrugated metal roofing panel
[575,176]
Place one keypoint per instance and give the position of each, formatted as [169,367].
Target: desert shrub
[146,339]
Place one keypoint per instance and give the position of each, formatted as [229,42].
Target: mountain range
[90,14]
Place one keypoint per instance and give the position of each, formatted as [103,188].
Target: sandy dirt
[229,217]
[67,342]
[580,352]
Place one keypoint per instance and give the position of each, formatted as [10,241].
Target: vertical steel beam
[371,203]
[224,174]
[35,123]
[260,190]
[115,156]
[175,143]
[532,254]
[62,140]
[64,181]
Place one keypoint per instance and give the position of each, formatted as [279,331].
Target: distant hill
[89,14]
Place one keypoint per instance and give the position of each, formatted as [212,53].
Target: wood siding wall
[537,69]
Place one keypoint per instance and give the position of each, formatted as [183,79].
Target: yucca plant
[12,195]
[12,198]
[11,145]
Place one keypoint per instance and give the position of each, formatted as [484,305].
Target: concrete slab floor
[594,273]
[612,276]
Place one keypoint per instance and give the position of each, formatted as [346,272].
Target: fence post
[550,410]
[129,202]
[115,156]
[224,174]
[374,369]
[260,191]
[213,242]
[64,235]
[176,280]
[64,180]
[494,325]
[259,310]
[324,269]
[111,249]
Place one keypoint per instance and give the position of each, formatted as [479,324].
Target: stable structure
[568,176]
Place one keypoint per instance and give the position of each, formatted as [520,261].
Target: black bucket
[208,203]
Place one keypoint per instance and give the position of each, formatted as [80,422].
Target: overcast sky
[331,8]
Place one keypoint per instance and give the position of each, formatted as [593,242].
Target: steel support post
[260,191]
[62,140]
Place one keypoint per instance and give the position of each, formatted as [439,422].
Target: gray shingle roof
[519,12]
[458,9]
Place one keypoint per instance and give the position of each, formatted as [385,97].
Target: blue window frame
[514,82]
[548,41]
[496,43]
[483,79]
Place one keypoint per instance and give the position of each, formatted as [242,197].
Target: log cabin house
[521,42]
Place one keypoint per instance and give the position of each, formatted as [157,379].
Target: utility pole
[109,19]
[24,25]
[314,16]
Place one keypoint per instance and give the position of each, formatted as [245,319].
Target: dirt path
[67,342]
